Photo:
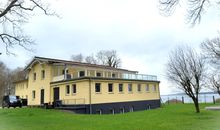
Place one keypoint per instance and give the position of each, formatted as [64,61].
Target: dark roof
[20,80]
[67,62]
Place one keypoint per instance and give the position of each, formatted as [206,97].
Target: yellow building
[87,88]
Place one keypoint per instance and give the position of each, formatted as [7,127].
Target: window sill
[74,94]
[67,94]
[121,93]
[98,93]
[110,92]
[130,92]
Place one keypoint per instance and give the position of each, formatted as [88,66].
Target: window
[42,74]
[98,74]
[63,71]
[110,88]
[33,94]
[81,73]
[120,88]
[97,87]
[147,88]
[113,75]
[154,88]
[74,88]
[34,76]
[129,87]
[67,89]
[139,88]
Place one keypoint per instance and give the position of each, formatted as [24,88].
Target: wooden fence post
[182,99]
[213,99]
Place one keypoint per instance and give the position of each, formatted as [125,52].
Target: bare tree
[186,68]
[13,14]
[7,77]
[109,58]
[3,77]
[77,57]
[17,74]
[91,59]
[211,51]
[215,83]
[194,8]
[103,57]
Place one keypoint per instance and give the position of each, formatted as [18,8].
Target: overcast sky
[142,37]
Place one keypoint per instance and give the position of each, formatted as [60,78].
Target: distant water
[203,98]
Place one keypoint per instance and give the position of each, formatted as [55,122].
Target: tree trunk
[196,103]
[218,90]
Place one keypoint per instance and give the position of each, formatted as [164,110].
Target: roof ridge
[77,63]
[73,61]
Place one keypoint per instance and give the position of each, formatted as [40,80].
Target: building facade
[87,88]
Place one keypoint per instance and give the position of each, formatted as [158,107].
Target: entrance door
[42,96]
[56,94]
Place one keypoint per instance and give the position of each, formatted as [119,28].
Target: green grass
[169,117]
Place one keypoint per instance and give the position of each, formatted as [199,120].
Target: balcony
[139,77]
[58,78]
[122,76]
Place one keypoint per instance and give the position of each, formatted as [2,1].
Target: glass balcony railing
[139,77]
[121,76]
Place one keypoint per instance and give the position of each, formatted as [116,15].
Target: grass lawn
[169,117]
